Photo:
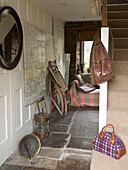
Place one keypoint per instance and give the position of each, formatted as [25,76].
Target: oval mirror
[11,38]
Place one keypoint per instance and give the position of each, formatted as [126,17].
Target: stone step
[123,131]
[120,130]
[120,114]
[118,23]
[118,83]
[120,110]
[117,7]
[118,117]
[102,162]
[117,99]
[121,54]
[120,68]
[118,14]
[121,43]
[119,120]
[120,32]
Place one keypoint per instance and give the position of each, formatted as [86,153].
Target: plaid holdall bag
[109,144]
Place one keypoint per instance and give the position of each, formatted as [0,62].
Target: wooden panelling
[2,71]
[27,113]
[18,109]
[33,110]
[34,15]
[3,119]
[14,4]
[48,23]
[19,66]
[41,19]
[23,9]
[30,12]
[1,2]
[4,2]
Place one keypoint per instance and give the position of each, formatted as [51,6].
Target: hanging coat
[101,63]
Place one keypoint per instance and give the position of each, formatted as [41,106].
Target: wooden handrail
[104,14]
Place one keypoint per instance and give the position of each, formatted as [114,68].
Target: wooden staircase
[117,88]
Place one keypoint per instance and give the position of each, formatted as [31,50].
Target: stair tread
[121,62]
[110,12]
[120,48]
[114,4]
[118,28]
[121,42]
[118,23]
[121,76]
[118,91]
[118,109]
[118,19]
[120,38]
[123,131]
[119,7]
[120,54]
[117,14]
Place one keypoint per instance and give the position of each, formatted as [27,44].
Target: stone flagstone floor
[69,145]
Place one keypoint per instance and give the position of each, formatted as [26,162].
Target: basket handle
[111,141]
[42,99]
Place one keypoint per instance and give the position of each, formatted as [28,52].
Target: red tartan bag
[109,144]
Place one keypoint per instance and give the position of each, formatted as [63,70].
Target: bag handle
[111,141]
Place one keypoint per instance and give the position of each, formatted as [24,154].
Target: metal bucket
[41,122]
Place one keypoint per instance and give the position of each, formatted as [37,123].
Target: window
[87,51]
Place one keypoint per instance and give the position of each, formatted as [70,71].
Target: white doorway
[87,51]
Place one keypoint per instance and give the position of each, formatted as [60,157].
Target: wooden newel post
[104,86]
[104,14]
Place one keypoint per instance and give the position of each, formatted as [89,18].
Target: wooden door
[5,116]
[15,119]
[17,104]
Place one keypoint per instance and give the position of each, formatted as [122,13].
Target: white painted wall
[15,118]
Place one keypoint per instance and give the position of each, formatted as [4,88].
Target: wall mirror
[11,38]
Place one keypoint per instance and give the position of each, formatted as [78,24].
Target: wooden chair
[57,79]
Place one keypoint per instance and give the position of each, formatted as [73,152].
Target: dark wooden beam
[104,14]
[87,35]
[81,28]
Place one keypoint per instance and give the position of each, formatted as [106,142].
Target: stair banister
[103,87]
[104,13]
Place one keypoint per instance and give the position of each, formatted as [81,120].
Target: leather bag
[109,144]
[101,64]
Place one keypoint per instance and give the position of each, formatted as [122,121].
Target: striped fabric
[81,99]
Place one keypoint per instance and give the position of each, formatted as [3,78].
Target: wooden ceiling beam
[83,28]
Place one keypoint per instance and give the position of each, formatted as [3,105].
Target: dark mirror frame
[11,65]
